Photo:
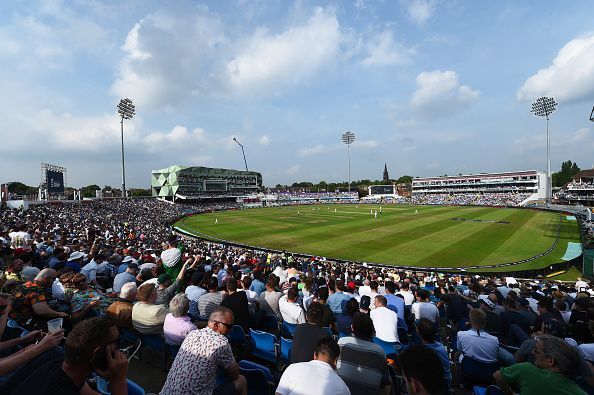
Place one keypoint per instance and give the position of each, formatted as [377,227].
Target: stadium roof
[589,173]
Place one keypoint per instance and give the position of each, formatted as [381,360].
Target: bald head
[46,274]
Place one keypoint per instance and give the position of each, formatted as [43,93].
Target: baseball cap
[485,300]
[76,255]
[163,278]
[127,259]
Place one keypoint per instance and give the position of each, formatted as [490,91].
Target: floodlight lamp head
[126,109]
[592,115]
[348,137]
[544,107]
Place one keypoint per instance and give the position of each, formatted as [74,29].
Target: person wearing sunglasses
[194,369]
[556,364]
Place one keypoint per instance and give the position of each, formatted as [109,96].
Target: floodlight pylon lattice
[126,110]
[348,138]
[543,107]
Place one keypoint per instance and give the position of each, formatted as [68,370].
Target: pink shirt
[176,329]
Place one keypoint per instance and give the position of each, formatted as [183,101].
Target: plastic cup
[54,325]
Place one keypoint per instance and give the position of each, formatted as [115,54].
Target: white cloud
[264,140]
[569,78]
[270,62]
[316,150]
[384,51]
[170,55]
[360,4]
[439,93]
[49,34]
[578,140]
[293,170]
[420,11]
[365,144]
[177,137]
[324,149]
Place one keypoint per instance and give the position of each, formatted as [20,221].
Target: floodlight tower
[592,115]
[544,107]
[126,110]
[243,152]
[348,138]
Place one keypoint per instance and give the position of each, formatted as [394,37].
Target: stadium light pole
[544,107]
[592,115]
[126,110]
[348,138]
[243,152]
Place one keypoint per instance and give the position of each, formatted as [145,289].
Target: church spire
[386,176]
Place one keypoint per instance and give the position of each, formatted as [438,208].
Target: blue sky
[429,87]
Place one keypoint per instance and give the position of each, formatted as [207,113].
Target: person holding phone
[90,347]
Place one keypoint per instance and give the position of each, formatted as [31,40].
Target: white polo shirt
[292,313]
[312,378]
[385,322]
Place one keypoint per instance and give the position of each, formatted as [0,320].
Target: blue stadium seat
[475,372]
[156,343]
[490,390]
[133,388]
[258,377]
[288,330]
[388,347]
[285,350]
[237,335]
[264,345]
[270,323]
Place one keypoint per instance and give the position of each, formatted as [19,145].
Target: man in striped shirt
[362,363]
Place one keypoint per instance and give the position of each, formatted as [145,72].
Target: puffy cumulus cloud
[264,140]
[420,11]
[439,93]
[170,55]
[569,78]
[384,51]
[273,61]
[179,137]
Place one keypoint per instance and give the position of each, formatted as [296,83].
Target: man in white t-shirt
[423,308]
[409,297]
[385,321]
[19,238]
[291,312]
[317,376]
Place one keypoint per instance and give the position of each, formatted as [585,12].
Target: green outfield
[423,236]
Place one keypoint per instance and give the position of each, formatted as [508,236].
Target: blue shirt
[257,286]
[121,279]
[441,352]
[336,301]
[395,304]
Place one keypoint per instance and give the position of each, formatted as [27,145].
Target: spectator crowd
[109,270]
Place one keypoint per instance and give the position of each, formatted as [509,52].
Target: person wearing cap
[75,261]
[90,269]
[166,289]
[364,304]
[126,277]
[172,257]
[493,324]
[124,263]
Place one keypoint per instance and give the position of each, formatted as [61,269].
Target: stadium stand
[60,261]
